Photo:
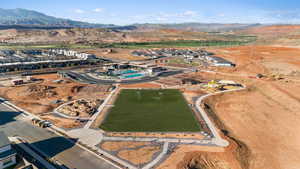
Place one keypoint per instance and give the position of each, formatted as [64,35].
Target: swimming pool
[132,76]
[128,72]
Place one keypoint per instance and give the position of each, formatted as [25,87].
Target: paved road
[159,157]
[217,139]
[12,123]
[85,78]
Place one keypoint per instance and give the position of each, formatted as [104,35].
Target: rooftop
[3,139]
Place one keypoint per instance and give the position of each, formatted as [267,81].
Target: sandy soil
[38,98]
[141,85]
[190,94]
[252,60]
[263,120]
[62,122]
[136,155]
[80,108]
[190,156]
[139,156]
[266,119]
[120,145]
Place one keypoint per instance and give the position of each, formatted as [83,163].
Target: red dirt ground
[262,120]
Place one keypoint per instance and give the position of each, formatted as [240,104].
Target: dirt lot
[42,98]
[266,119]
[141,85]
[62,122]
[139,156]
[261,121]
[39,98]
[251,60]
[135,152]
[80,108]
[203,157]
[119,145]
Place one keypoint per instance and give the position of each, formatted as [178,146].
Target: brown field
[141,85]
[274,29]
[194,156]
[276,34]
[119,145]
[263,119]
[62,122]
[138,153]
[139,156]
[251,60]
[39,98]
[266,119]
[261,122]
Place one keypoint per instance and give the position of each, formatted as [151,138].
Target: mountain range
[28,19]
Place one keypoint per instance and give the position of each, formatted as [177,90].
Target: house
[7,154]
[218,61]
[152,70]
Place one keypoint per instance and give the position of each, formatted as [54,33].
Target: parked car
[41,123]
[45,124]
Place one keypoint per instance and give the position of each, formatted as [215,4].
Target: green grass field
[229,40]
[177,43]
[150,111]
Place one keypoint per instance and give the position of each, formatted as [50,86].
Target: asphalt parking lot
[50,144]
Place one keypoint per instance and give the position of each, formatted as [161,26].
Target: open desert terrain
[262,121]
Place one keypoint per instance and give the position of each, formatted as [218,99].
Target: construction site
[206,116]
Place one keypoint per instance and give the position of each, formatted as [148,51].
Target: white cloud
[189,13]
[161,19]
[80,11]
[164,17]
[221,15]
[98,10]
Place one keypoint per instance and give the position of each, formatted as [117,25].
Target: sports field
[150,111]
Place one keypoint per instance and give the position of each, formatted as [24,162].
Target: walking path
[170,140]
[88,136]
[159,157]
[100,108]
[57,111]
[217,139]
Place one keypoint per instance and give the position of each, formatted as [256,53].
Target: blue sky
[124,12]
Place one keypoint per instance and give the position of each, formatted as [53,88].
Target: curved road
[217,139]
[84,78]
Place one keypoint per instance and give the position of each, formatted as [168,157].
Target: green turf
[177,43]
[150,111]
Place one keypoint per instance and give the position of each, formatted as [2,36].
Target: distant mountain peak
[20,16]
